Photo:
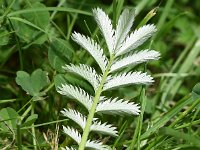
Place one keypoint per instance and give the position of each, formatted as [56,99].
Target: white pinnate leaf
[68,148]
[137,38]
[86,72]
[96,145]
[124,25]
[114,106]
[76,93]
[74,134]
[75,116]
[127,79]
[105,128]
[119,42]
[135,58]
[97,126]
[106,28]
[93,48]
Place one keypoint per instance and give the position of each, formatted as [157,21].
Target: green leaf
[33,83]
[5,53]
[30,120]
[23,79]
[60,53]
[39,19]
[39,80]
[4,36]
[59,79]
[8,120]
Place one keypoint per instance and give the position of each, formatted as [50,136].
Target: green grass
[38,35]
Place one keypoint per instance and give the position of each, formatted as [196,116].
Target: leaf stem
[10,100]
[26,112]
[49,87]
[94,105]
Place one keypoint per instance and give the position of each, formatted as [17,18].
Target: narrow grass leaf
[194,140]
[166,117]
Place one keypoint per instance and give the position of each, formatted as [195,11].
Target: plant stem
[114,13]
[19,138]
[94,105]
[133,141]
[143,105]
[33,128]
[121,133]
[73,21]
[137,134]
[18,45]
